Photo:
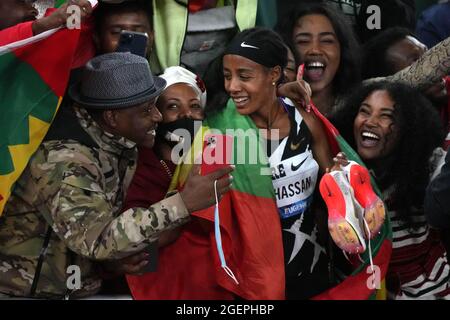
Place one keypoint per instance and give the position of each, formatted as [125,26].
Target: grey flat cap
[115,81]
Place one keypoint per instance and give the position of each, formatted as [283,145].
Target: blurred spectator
[394,13]
[193,34]
[437,199]
[112,18]
[437,203]
[433,25]
[390,51]
[109,19]
[422,5]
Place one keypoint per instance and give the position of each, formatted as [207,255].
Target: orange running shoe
[374,210]
[343,221]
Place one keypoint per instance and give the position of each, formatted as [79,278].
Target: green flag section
[58,3]
[35,75]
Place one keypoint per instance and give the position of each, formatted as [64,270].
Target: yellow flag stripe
[21,154]
[382,292]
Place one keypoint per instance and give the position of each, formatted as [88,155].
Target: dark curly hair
[420,132]
[349,72]
[374,52]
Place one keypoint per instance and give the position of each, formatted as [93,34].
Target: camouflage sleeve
[82,215]
[428,70]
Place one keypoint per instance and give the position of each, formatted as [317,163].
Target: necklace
[164,164]
[269,122]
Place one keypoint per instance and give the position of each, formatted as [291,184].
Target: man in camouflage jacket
[66,207]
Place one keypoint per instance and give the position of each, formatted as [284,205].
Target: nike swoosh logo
[295,168]
[297,145]
[244,45]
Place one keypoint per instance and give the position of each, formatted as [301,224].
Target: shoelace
[368,242]
[369,246]
[218,237]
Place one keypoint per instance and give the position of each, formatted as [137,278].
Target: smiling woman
[318,47]
[395,130]
[253,66]
[375,130]
[325,42]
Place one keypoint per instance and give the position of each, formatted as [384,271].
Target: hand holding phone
[134,42]
[217,152]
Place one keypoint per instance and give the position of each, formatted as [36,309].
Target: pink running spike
[374,210]
[342,222]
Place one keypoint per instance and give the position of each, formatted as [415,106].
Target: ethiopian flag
[34,75]
[251,236]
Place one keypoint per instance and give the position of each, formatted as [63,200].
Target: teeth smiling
[315,65]
[239,100]
[370,135]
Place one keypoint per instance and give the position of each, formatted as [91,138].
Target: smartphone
[134,42]
[217,152]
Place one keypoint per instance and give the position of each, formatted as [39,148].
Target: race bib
[294,181]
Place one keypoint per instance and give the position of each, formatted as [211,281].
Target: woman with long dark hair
[324,41]
[395,129]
